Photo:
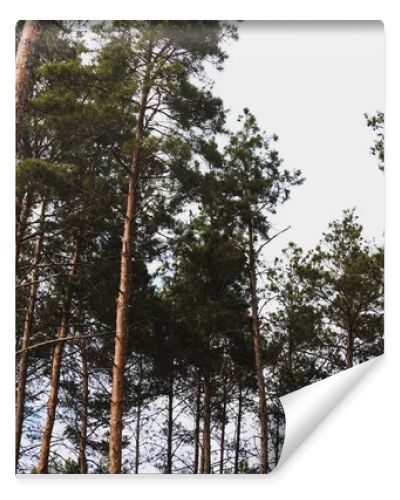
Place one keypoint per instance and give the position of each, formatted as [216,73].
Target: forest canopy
[152,333]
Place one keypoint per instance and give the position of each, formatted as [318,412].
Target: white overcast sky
[311,83]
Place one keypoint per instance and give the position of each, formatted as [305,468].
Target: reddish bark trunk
[26,335]
[42,467]
[24,64]
[257,346]
[121,326]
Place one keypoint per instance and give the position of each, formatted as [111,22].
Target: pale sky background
[311,83]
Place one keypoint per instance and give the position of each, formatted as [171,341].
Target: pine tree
[165,56]
[255,184]
[347,274]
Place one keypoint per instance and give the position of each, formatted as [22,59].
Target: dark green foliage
[201,208]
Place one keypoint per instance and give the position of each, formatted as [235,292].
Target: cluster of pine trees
[151,333]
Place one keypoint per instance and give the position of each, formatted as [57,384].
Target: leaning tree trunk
[197,432]
[121,326]
[257,346]
[42,467]
[238,430]
[168,469]
[26,335]
[223,425]
[84,413]
[25,60]
[206,466]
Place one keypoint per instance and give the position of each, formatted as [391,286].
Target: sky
[311,83]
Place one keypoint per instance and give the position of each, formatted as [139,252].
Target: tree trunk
[25,60]
[84,415]
[222,442]
[121,326]
[238,430]
[21,224]
[26,335]
[137,440]
[202,454]
[197,432]
[257,346]
[168,469]
[276,444]
[207,426]
[138,415]
[350,348]
[42,467]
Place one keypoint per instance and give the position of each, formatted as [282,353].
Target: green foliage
[201,208]
[377,123]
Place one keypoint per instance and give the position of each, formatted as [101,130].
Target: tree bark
[168,469]
[207,426]
[42,467]
[26,335]
[24,63]
[222,442]
[84,415]
[238,430]
[197,432]
[257,346]
[21,224]
[121,326]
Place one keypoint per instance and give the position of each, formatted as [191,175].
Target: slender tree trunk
[25,60]
[350,348]
[197,432]
[21,224]
[42,467]
[257,346]
[202,454]
[26,335]
[207,426]
[238,430]
[168,469]
[84,415]
[137,440]
[121,326]
[138,415]
[278,423]
[222,442]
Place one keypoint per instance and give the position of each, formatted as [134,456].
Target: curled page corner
[308,407]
